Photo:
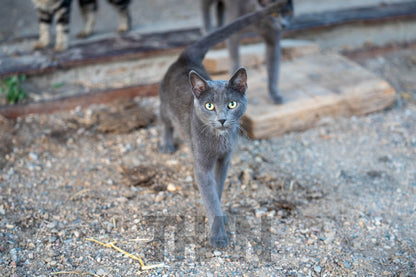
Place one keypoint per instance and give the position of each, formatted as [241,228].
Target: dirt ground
[336,200]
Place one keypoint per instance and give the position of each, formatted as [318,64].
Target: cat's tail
[196,52]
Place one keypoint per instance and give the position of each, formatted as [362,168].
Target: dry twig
[137,258]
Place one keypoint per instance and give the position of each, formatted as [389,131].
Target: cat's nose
[222,121]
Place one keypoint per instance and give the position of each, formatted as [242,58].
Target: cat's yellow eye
[232,104]
[209,106]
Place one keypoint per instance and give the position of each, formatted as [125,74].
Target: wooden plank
[253,55]
[127,47]
[135,46]
[361,14]
[71,102]
[314,87]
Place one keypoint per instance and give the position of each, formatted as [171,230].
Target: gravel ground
[335,200]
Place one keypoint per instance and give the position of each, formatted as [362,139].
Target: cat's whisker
[204,129]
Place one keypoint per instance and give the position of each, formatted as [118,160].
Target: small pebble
[52,225]
[217,253]
[261,212]
[13,254]
[160,196]
[246,177]
[33,156]
[102,272]
[171,187]
[53,263]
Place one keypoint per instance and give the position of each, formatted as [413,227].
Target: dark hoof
[218,242]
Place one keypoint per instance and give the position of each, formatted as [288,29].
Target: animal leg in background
[89,12]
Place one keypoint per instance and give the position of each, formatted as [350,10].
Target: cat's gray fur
[270,28]
[184,92]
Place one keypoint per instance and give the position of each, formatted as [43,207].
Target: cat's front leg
[89,11]
[45,21]
[62,27]
[208,189]
[124,21]
[61,37]
[124,18]
[221,169]
[44,37]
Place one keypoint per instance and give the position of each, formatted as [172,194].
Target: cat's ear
[239,80]
[198,84]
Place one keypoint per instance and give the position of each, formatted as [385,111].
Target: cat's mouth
[221,127]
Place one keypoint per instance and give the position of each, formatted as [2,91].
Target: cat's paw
[39,45]
[60,47]
[218,236]
[276,98]
[219,242]
[122,28]
[167,148]
[83,34]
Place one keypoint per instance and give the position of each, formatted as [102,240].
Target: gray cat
[270,28]
[207,114]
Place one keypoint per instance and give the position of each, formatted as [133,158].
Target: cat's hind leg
[273,56]
[220,14]
[206,16]
[167,144]
[88,11]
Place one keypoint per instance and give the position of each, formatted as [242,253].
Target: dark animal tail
[196,51]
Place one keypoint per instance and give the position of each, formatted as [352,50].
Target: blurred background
[18,18]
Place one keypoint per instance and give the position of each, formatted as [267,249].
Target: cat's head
[220,104]
[287,13]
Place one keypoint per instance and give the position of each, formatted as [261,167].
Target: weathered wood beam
[82,100]
[363,14]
